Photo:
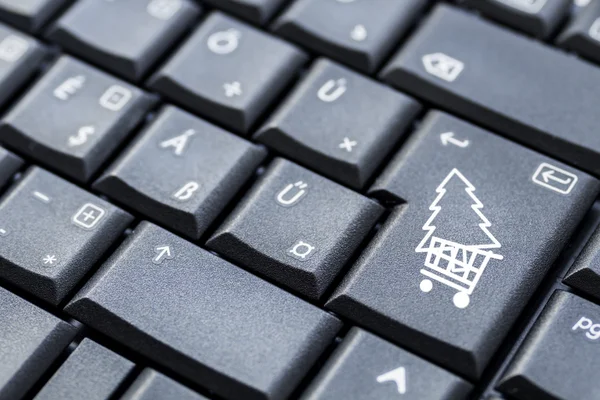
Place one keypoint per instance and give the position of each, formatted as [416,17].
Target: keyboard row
[335,121]
[166,299]
[462,221]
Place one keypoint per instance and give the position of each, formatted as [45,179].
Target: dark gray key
[585,273]
[9,164]
[539,18]
[151,385]
[207,320]
[560,357]
[30,15]
[297,228]
[54,232]
[125,37]
[182,172]
[504,81]
[582,34]
[30,341]
[323,124]
[74,118]
[361,34]
[92,372]
[456,255]
[368,368]
[228,72]
[256,11]
[20,58]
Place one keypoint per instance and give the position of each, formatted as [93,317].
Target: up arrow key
[162,253]
[448,138]
[398,376]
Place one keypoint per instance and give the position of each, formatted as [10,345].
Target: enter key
[480,221]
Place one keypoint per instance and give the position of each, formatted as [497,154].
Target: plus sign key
[482,220]
[55,232]
[323,123]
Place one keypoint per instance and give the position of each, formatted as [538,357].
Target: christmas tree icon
[457,248]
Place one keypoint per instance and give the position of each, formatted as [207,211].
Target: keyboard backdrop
[305,199]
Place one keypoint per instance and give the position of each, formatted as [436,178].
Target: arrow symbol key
[162,253]
[448,138]
[554,178]
[398,376]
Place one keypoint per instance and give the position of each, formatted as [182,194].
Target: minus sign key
[41,197]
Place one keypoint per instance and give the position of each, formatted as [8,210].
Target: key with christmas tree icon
[479,221]
[450,260]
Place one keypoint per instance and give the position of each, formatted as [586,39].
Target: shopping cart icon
[456,265]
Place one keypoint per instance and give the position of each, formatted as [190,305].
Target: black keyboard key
[151,385]
[54,232]
[74,117]
[9,164]
[182,172]
[229,72]
[516,86]
[207,320]
[582,34]
[323,123]
[92,372]
[20,58]
[368,368]
[585,272]
[125,37]
[29,15]
[256,11]
[560,357]
[539,18]
[297,228]
[357,33]
[456,255]
[30,341]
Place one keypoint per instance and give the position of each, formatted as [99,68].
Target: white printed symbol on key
[49,259]
[292,194]
[88,216]
[115,98]
[443,66]
[595,30]
[179,143]
[554,178]
[456,265]
[186,191]
[301,250]
[449,138]
[348,144]
[12,48]
[233,89]
[332,90]
[69,87]
[162,253]
[592,330]
[398,376]
[224,42]
[163,9]
[359,33]
[83,134]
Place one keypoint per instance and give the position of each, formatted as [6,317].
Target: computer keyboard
[299,199]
